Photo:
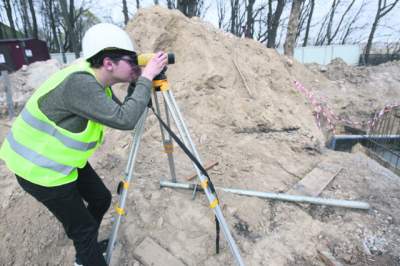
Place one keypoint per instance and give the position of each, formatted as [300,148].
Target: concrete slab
[152,254]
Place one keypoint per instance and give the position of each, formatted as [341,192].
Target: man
[62,125]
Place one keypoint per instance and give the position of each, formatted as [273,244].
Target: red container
[14,53]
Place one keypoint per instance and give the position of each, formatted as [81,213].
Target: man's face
[128,68]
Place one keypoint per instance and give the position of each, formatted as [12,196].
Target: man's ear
[108,63]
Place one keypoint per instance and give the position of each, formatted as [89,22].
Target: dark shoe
[103,244]
[103,248]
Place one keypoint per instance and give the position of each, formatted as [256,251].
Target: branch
[389,7]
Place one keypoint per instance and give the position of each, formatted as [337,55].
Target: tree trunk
[34,22]
[22,7]
[330,21]
[221,12]
[125,11]
[273,21]
[292,28]
[312,4]
[250,20]
[189,8]
[380,13]
[234,16]
[69,18]
[137,4]
[49,6]
[7,6]
[170,4]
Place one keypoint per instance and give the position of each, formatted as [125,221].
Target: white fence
[70,57]
[323,55]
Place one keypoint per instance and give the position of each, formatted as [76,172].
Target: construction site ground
[263,133]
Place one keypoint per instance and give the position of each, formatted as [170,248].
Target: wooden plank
[149,253]
[328,258]
[316,181]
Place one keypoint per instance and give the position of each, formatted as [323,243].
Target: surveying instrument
[161,86]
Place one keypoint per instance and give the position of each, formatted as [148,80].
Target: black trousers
[81,222]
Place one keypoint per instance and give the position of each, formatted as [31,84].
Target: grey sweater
[80,98]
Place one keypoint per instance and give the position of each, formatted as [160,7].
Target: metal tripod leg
[183,131]
[137,134]
[167,141]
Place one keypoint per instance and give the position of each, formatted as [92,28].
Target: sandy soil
[265,140]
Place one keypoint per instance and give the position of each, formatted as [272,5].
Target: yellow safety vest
[40,151]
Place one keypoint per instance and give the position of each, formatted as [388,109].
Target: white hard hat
[102,36]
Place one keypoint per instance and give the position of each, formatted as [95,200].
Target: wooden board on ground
[328,258]
[315,181]
[150,253]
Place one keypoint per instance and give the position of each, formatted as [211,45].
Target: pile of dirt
[356,93]
[264,139]
[24,81]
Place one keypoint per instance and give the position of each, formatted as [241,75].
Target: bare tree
[7,6]
[190,8]
[221,10]
[48,13]
[2,33]
[384,7]
[69,19]
[328,30]
[34,22]
[351,25]
[170,4]
[273,19]
[22,8]
[234,16]
[309,19]
[125,11]
[250,20]
[292,28]
[332,36]
[137,4]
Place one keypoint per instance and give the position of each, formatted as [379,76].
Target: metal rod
[280,196]
[166,140]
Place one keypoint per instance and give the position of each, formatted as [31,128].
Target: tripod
[161,86]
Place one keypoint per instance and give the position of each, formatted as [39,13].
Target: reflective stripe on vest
[36,158]
[52,131]
[42,152]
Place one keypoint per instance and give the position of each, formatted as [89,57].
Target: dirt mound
[264,139]
[24,81]
[356,93]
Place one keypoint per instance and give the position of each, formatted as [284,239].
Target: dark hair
[96,61]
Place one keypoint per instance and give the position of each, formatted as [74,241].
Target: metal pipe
[333,141]
[361,137]
[280,196]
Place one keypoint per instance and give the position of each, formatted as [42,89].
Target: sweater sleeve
[85,97]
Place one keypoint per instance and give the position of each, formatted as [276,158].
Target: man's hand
[155,65]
